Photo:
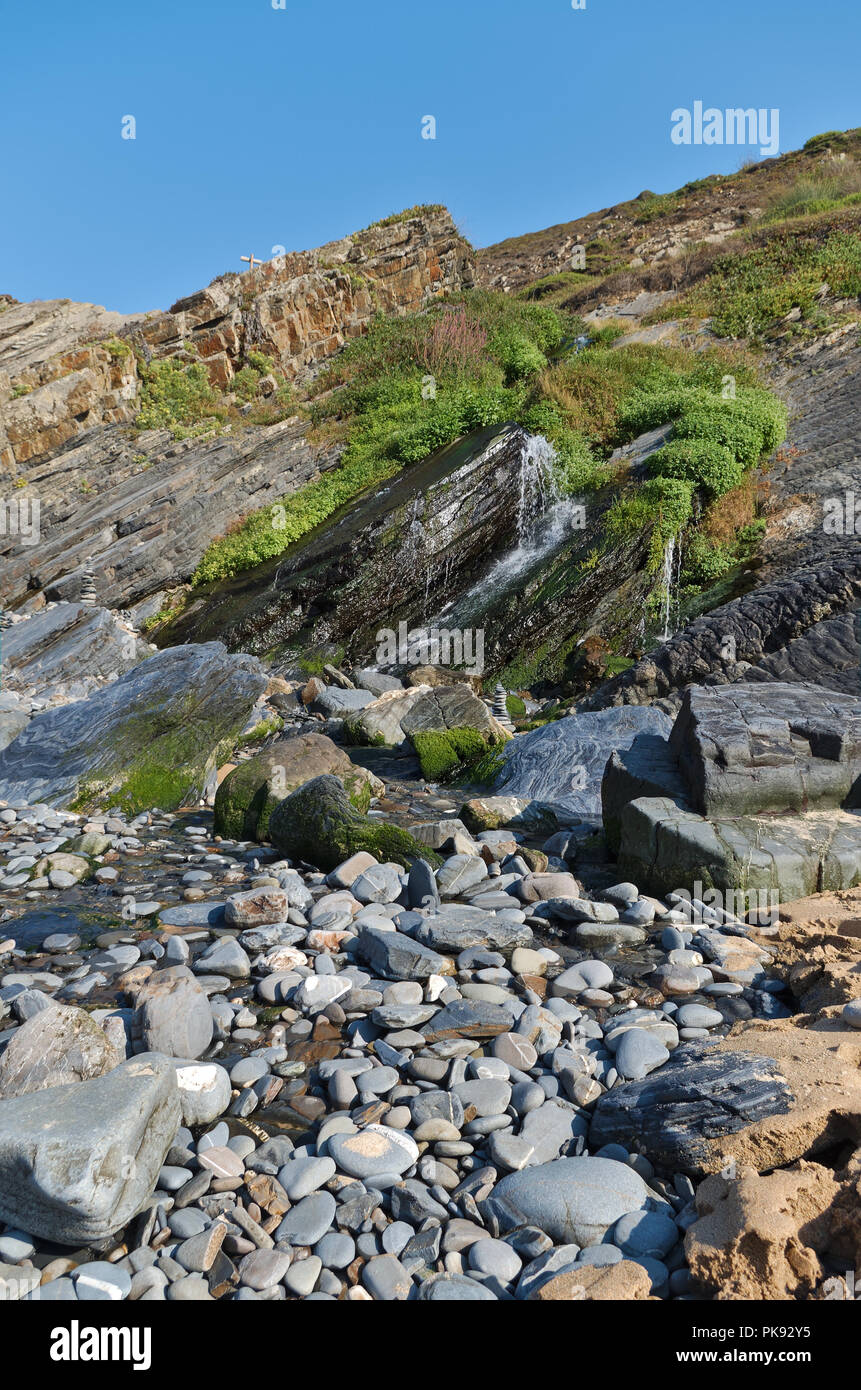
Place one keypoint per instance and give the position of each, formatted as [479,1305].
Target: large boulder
[380,723]
[77,1162]
[755,789]
[562,763]
[56,1046]
[773,747]
[149,739]
[317,824]
[249,794]
[663,847]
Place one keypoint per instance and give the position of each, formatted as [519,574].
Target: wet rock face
[697,1097]
[390,559]
[165,718]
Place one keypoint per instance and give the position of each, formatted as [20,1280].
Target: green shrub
[518,357]
[746,294]
[662,504]
[702,462]
[726,423]
[244,384]
[515,706]
[174,394]
[704,561]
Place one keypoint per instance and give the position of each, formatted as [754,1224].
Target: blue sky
[258,127]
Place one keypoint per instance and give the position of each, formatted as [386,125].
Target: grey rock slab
[195,694]
[76,1162]
[469,1018]
[397,957]
[455,932]
[538,766]
[56,1046]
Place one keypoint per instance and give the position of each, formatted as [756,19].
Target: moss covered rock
[149,739]
[317,824]
[249,794]
[443,753]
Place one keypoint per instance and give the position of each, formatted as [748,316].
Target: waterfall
[544,519]
[538,485]
[670,577]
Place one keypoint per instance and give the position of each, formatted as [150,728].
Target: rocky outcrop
[144,509]
[759,629]
[149,739]
[385,564]
[158,505]
[561,763]
[765,1095]
[68,650]
[59,377]
[66,368]
[755,788]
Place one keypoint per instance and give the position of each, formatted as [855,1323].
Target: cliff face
[143,507]
[66,369]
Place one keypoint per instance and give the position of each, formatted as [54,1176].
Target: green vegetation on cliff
[414,384]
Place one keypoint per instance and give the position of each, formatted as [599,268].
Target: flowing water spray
[538,484]
[544,519]
[670,579]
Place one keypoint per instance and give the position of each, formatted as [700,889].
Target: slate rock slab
[77,1162]
[468,1018]
[397,957]
[456,933]
[698,1096]
[166,716]
[562,763]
